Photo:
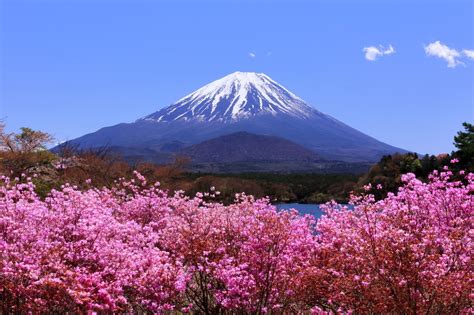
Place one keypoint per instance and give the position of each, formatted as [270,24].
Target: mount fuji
[239,102]
[238,96]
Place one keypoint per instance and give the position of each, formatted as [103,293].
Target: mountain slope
[250,102]
[248,147]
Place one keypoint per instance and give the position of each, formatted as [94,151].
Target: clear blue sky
[71,67]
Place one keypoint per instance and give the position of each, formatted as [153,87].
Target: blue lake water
[305,208]
[302,208]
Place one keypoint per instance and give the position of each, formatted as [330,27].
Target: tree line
[25,154]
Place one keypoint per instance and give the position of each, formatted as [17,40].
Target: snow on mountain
[236,96]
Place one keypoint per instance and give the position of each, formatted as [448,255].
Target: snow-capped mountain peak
[237,96]
[240,102]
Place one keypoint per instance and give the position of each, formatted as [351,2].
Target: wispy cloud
[440,50]
[252,55]
[58,142]
[373,52]
[468,53]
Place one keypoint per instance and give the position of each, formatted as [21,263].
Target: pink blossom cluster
[410,253]
[136,248]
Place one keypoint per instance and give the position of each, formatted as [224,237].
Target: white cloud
[252,55]
[58,142]
[450,55]
[372,52]
[390,50]
[468,53]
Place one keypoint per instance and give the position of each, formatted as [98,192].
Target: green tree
[20,153]
[464,142]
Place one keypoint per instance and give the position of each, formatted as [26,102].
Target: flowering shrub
[135,248]
[243,257]
[75,251]
[410,253]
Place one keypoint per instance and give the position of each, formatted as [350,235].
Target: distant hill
[244,152]
[248,147]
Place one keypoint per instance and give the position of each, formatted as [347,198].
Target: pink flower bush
[134,248]
[410,253]
[74,251]
[245,256]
